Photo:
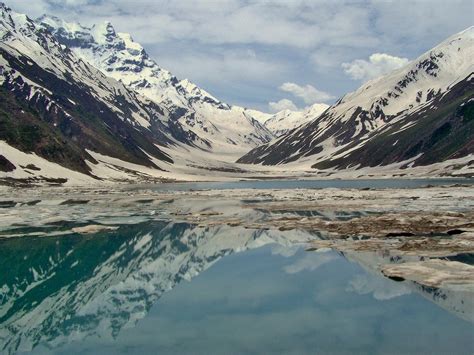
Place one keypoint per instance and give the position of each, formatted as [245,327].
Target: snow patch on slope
[42,167]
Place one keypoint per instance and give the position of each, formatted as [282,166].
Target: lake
[307,184]
[177,288]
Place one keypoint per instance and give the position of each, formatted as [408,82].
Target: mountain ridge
[130,120]
[121,133]
[117,55]
[356,118]
[46,79]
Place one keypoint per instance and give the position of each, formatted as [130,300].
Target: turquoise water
[175,288]
[309,184]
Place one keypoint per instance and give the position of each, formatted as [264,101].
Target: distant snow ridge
[284,121]
[220,127]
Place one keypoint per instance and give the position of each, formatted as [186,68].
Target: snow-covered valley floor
[193,165]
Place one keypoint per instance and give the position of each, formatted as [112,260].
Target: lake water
[308,184]
[175,288]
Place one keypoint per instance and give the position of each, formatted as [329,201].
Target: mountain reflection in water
[58,290]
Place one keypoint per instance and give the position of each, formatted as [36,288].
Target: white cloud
[308,93]
[310,262]
[220,66]
[380,287]
[31,8]
[329,57]
[299,24]
[425,26]
[283,104]
[377,65]
[284,250]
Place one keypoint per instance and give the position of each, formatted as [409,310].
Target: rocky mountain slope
[60,108]
[60,115]
[420,114]
[219,126]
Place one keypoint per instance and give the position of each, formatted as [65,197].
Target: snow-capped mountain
[220,127]
[61,108]
[64,117]
[421,112]
[284,121]
[82,104]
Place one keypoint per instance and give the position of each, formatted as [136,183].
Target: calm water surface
[174,288]
[308,184]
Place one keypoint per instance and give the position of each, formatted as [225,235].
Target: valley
[101,110]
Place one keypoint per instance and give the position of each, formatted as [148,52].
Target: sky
[272,55]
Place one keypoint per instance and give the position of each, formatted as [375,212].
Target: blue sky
[271,55]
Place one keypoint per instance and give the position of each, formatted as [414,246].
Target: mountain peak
[130,44]
[117,55]
[104,32]
[70,30]
[14,19]
[105,28]
[4,7]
